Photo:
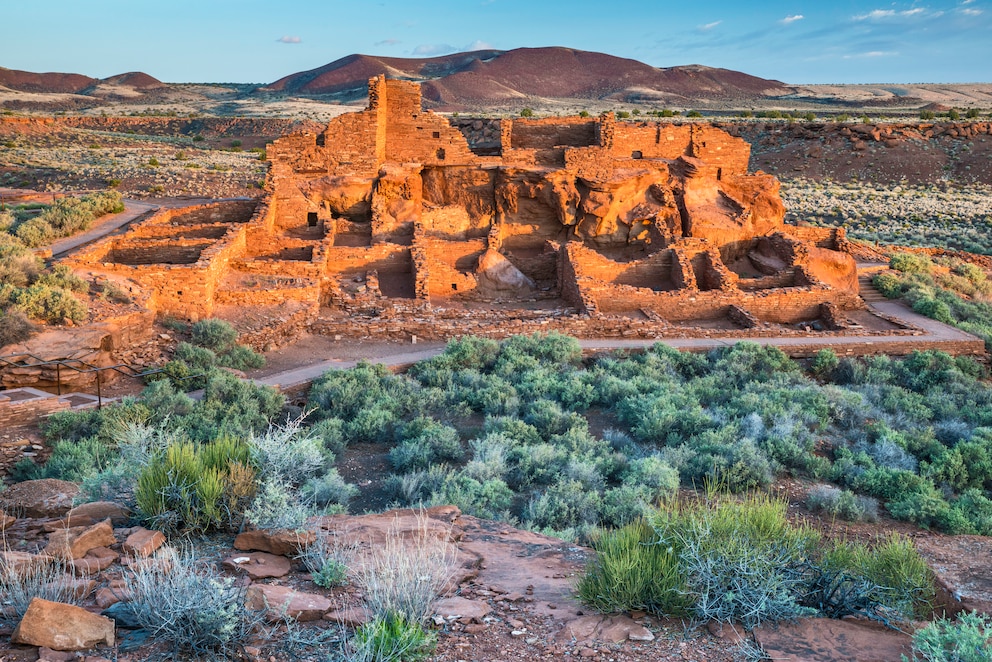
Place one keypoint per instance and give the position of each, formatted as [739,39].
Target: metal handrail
[120,368]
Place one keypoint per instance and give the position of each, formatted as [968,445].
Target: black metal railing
[27,360]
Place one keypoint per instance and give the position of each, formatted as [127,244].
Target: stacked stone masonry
[590,223]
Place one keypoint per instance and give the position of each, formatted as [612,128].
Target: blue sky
[798,41]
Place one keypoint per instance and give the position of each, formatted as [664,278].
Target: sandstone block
[283,601]
[75,543]
[22,562]
[96,560]
[258,565]
[282,542]
[98,511]
[461,609]
[143,542]
[62,627]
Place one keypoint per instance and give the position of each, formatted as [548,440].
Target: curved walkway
[933,335]
[133,210]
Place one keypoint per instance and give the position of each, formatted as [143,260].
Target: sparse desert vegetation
[948,216]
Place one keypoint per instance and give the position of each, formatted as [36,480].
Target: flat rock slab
[98,511]
[142,542]
[6,520]
[461,609]
[274,541]
[62,627]
[47,497]
[96,560]
[352,617]
[21,563]
[258,565]
[282,601]
[961,565]
[609,629]
[76,543]
[830,640]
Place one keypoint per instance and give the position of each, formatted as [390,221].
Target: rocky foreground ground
[509,597]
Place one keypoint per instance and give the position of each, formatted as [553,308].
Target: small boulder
[96,560]
[47,497]
[75,543]
[832,640]
[99,511]
[258,565]
[611,629]
[461,609]
[6,520]
[143,542]
[62,627]
[282,542]
[352,617]
[280,602]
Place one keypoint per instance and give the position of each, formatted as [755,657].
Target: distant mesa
[63,83]
[507,77]
[46,83]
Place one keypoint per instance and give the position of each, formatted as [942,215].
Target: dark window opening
[440,154]
[719,173]
[454,286]
[636,154]
[320,140]
[311,219]
[436,134]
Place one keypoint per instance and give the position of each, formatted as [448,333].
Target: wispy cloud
[387,42]
[430,50]
[286,39]
[434,49]
[710,26]
[870,54]
[882,14]
[971,12]
[792,18]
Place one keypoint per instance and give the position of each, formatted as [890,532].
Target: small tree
[527,112]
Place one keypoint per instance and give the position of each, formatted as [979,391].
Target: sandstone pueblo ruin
[395,220]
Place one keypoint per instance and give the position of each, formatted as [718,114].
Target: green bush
[61,276]
[180,601]
[423,442]
[52,305]
[842,503]
[216,335]
[969,639]
[633,571]
[15,327]
[564,505]
[391,638]
[241,357]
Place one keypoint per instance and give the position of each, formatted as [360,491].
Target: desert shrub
[329,490]
[824,363]
[423,442]
[179,600]
[652,472]
[391,638]
[61,276]
[35,232]
[968,639]
[976,507]
[405,574]
[214,334]
[622,505]
[439,485]
[911,263]
[741,559]
[241,357]
[278,506]
[842,503]
[76,460]
[52,580]
[905,580]
[288,453]
[15,327]
[49,304]
[327,559]
[187,486]
[632,571]
[564,505]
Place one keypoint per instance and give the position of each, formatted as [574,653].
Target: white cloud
[286,39]
[479,45]
[881,14]
[971,12]
[858,56]
[433,49]
[792,18]
[710,26]
[387,42]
